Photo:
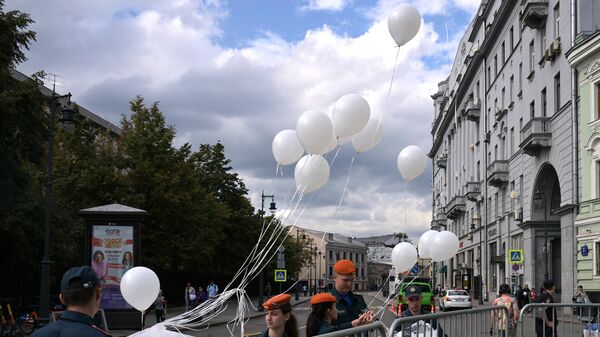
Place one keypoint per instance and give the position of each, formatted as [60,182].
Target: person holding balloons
[323,313]
[279,318]
[350,306]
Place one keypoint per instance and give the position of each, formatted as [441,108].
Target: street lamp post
[320,271]
[44,306]
[261,278]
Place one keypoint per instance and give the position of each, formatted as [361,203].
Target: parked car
[455,299]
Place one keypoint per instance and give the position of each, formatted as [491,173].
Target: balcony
[534,13]
[536,135]
[440,215]
[473,110]
[498,173]
[456,207]
[473,192]
[442,161]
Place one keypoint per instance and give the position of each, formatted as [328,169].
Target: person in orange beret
[350,306]
[323,313]
[279,318]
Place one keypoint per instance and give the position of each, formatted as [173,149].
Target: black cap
[83,277]
[411,291]
[548,284]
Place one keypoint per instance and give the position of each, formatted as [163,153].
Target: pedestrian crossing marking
[516,256]
[280,275]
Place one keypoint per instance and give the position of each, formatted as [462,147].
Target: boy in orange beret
[350,306]
[279,318]
[323,313]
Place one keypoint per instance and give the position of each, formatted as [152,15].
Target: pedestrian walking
[268,290]
[519,297]
[80,291]
[159,307]
[546,325]
[506,324]
[201,295]
[279,318]
[212,289]
[533,296]
[526,295]
[190,296]
[305,290]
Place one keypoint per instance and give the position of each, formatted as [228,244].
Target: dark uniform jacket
[433,322]
[72,324]
[266,334]
[540,326]
[346,313]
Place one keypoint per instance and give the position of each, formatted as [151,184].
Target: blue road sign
[584,250]
[414,270]
[516,256]
[280,275]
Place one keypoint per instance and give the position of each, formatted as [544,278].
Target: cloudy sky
[240,71]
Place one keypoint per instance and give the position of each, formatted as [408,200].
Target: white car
[456,299]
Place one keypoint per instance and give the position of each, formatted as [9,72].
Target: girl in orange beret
[279,318]
[324,312]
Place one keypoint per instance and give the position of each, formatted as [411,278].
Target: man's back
[72,324]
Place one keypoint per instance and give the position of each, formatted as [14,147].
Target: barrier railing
[561,319]
[477,322]
[376,329]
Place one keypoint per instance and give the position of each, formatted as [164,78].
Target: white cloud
[242,97]
[327,5]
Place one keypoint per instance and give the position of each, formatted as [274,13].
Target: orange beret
[276,301]
[344,267]
[322,298]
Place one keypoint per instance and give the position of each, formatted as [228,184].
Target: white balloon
[334,143]
[286,147]
[140,287]
[350,115]
[404,23]
[314,130]
[443,246]
[412,161]
[425,243]
[311,173]
[368,137]
[404,256]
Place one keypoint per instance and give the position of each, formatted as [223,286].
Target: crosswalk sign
[516,256]
[280,275]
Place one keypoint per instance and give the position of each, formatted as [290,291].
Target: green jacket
[346,314]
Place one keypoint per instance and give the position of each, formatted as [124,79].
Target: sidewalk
[223,318]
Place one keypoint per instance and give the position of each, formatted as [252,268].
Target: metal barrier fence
[559,319]
[376,329]
[484,321]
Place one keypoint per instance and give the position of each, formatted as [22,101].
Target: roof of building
[83,111]
[112,208]
[337,239]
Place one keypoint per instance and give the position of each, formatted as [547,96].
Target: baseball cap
[83,277]
[412,291]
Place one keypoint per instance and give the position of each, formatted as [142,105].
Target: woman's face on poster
[128,257]
[98,257]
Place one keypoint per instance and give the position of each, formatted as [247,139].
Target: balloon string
[387,96]
[405,209]
[346,185]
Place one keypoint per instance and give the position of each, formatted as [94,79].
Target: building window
[496,65]
[362,258]
[532,109]
[344,255]
[520,77]
[543,102]
[597,173]
[520,190]
[337,256]
[557,21]
[520,128]
[596,101]
[512,39]
[597,258]
[496,206]
[331,255]
[503,56]
[531,56]
[502,101]
[489,76]
[511,88]
[557,92]
[512,140]
[330,270]
[362,272]
[543,42]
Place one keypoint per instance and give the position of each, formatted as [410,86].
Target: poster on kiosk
[112,252]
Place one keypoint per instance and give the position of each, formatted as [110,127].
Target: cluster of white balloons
[317,134]
[438,246]
[140,287]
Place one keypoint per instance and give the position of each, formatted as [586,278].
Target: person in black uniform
[350,306]
[81,293]
[547,324]
[322,314]
[415,308]
[279,318]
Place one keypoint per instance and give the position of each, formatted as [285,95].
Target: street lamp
[541,195]
[474,225]
[320,272]
[261,278]
[67,120]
